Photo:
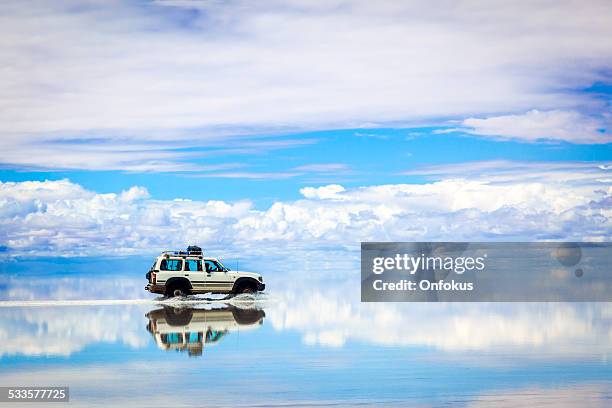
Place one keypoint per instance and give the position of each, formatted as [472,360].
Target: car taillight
[154,276]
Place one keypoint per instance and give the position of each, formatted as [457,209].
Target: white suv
[180,273]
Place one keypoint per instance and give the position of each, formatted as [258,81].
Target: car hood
[243,274]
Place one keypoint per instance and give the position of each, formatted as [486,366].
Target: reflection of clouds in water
[331,316]
[566,330]
[37,331]
[129,384]
[89,286]
[586,395]
[64,330]
[317,295]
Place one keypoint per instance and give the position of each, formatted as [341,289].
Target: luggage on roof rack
[194,250]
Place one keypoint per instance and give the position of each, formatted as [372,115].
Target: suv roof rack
[196,253]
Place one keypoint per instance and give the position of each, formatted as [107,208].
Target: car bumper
[155,288]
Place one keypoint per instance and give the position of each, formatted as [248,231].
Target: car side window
[171,265]
[193,265]
[211,266]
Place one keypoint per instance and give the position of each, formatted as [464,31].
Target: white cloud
[534,125]
[134,193]
[130,73]
[328,192]
[505,171]
[372,135]
[60,217]
[252,175]
[324,168]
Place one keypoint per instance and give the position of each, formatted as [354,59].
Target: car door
[218,280]
[194,272]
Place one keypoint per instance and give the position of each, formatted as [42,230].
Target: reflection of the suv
[188,329]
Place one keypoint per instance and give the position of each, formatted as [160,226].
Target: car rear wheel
[177,291]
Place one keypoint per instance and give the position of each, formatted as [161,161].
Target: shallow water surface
[296,346]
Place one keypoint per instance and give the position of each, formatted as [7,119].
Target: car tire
[176,291]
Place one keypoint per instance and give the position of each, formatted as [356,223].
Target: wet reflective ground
[112,343]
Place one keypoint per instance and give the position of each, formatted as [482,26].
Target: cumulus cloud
[535,125]
[66,219]
[328,192]
[60,217]
[189,73]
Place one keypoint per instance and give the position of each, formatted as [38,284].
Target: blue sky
[314,124]
[352,157]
